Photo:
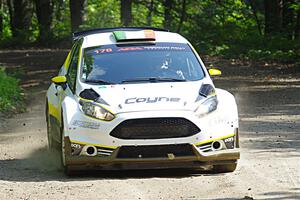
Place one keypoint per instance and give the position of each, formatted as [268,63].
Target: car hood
[149,96]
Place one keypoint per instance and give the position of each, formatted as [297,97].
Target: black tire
[224,168]
[51,142]
[70,172]
[66,168]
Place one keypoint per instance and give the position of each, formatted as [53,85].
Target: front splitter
[199,159]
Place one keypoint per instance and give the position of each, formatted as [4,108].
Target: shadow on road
[41,165]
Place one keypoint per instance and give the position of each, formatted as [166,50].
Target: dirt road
[269,167]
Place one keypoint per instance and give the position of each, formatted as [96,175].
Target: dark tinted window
[72,72]
[161,60]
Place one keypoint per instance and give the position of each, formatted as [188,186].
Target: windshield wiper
[153,79]
[104,82]
[170,79]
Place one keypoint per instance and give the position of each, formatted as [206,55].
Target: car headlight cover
[209,105]
[96,111]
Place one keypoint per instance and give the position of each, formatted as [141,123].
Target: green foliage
[276,55]
[228,28]
[61,21]
[6,32]
[10,93]
[102,14]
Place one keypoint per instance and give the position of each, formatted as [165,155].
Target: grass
[11,98]
[275,49]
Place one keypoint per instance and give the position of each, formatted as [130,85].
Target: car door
[61,91]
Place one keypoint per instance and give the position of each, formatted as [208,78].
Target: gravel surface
[269,168]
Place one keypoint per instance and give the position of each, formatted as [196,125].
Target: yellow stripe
[53,111]
[114,147]
[96,145]
[101,105]
[79,57]
[214,139]
[67,61]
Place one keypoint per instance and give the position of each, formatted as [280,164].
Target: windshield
[109,64]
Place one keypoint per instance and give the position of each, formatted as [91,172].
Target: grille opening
[155,128]
[155,151]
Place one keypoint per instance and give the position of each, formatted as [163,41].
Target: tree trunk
[59,7]
[20,17]
[126,12]
[44,11]
[182,16]
[272,17]
[168,16]
[1,17]
[77,13]
[287,18]
[254,11]
[297,27]
[150,7]
[10,11]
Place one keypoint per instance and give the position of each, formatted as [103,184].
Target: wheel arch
[227,105]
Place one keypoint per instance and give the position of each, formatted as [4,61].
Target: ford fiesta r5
[130,98]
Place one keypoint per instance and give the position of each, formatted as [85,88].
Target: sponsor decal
[219,120]
[229,142]
[228,139]
[130,49]
[75,146]
[84,124]
[108,49]
[151,100]
[166,48]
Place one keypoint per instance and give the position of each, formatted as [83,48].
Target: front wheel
[51,143]
[64,165]
[224,168]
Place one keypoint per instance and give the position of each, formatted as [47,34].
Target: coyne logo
[151,100]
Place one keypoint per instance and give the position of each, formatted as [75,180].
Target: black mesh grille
[155,128]
[155,151]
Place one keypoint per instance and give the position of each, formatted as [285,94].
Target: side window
[72,71]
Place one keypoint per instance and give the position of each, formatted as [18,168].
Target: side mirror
[59,80]
[214,72]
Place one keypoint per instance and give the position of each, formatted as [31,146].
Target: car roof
[107,38]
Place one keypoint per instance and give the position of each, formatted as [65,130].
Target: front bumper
[197,159]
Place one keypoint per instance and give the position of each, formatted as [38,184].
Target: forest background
[249,29]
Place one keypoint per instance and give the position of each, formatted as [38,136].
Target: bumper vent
[155,151]
[104,152]
[155,128]
[205,147]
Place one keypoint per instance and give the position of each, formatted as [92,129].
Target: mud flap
[68,149]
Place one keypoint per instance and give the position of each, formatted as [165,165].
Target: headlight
[207,106]
[93,110]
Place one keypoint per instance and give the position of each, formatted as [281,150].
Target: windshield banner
[147,47]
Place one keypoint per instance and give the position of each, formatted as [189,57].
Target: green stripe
[119,35]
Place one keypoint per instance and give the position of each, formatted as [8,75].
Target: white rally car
[136,98]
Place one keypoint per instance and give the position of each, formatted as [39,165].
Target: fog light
[90,150]
[216,145]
